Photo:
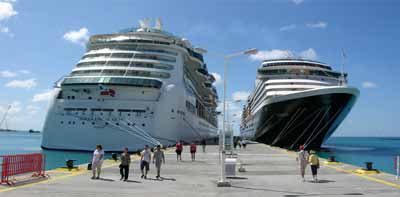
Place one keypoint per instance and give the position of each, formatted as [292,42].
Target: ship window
[83,123]
[90,98]
[143,125]
[106,123]
[73,97]
[93,123]
[117,123]
[129,124]
[62,122]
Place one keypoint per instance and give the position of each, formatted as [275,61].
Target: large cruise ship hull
[306,118]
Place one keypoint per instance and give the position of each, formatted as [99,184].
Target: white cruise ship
[141,86]
[296,102]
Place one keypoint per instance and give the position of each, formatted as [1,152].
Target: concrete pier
[269,172]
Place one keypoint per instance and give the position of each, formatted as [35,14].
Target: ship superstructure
[296,102]
[135,87]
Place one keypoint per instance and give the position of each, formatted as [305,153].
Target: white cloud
[320,24]
[369,84]
[78,37]
[278,54]
[309,54]
[217,77]
[7,74]
[44,96]
[297,2]
[271,54]
[240,95]
[27,84]
[287,27]
[6,11]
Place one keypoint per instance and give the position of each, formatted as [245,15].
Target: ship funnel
[158,24]
[145,23]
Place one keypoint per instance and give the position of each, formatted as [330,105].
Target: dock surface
[269,172]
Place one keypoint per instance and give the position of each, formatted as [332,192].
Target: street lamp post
[222,182]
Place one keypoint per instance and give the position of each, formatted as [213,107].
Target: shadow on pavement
[167,179]
[270,190]
[105,179]
[344,194]
[130,181]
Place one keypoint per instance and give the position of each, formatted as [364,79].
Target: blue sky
[35,49]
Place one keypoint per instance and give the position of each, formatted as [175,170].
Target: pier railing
[13,165]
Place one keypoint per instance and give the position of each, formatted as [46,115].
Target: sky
[42,40]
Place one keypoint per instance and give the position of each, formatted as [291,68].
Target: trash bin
[230,167]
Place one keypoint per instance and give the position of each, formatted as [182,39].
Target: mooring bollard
[368,166]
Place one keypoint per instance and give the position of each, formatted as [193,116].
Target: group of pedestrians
[241,143]
[304,158]
[192,149]
[145,159]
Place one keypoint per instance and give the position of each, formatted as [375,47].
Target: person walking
[235,143]
[179,149]
[158,159]
[314,163]
[240,144]
[124,166]
[302,158]
[203,144]
[97,161]
[145,161]
[244,143]
[193,150]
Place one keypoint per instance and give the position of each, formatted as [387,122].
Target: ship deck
[269,172]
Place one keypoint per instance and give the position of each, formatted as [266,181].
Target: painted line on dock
[71,174]
[388,183]
[56,178]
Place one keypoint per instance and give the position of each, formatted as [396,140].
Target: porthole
[143,125]
[83,123]
[117,124]
[62,122]
[90,98]
[93,123]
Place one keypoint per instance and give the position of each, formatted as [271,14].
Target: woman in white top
[302,158]
[97,161]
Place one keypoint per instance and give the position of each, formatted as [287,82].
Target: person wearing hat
[158,159]
[314,163]
[302,158]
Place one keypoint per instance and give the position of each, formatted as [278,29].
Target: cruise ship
[296,102]
[140,86]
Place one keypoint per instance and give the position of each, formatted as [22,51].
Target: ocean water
[352,150]
[358,150]
[24,142]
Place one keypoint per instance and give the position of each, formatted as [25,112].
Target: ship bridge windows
[130,56]
[130,48]
[109,72]
[137,82]
[125,64]
[299,72]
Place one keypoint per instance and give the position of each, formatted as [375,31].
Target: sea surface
[25,142]
[382,151]
[352,150]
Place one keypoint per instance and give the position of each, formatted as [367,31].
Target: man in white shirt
[145,161]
